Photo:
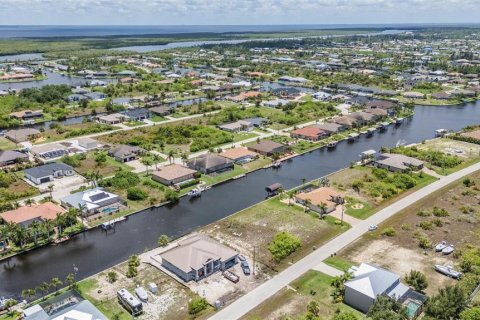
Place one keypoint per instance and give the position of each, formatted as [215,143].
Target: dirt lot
[171,301]
[401,252]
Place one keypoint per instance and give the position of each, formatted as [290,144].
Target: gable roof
[9,155]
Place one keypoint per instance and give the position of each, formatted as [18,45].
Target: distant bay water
[24,31]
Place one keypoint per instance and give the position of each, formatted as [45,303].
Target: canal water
[96,250]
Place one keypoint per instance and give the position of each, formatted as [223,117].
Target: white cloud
[235,11]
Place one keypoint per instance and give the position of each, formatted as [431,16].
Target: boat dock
[111,223]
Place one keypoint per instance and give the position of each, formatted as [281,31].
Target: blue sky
[214,12]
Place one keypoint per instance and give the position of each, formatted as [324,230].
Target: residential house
[257,122]
[96,96]
[88,143]
[210,163]
[316,198]
[275,103]
[331,128]
[22,135]
[345,121]
[198,257]
[239,155]
[362,118]
[113,118]
[268,148]
[308,133]
[397,162]
[137,114]
[27,114]
[48,172]
[370,281]
[125,153]
[49,151]
[162,110]
[173,174]
[25,215]
[9,157]
[322,96]
[236,126]
[93,201]
[286,92]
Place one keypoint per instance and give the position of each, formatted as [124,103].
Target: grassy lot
[367,190]
[243,136]
[134,123]
[257,226]
[455,220]
[339,263]
[292,303]
[74,130]
[105,169]
[17,188]
[469,153]
[157,118]
[213,179]
[6,144]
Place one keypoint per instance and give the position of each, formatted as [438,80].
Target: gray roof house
[397,162]
[268,148]
[198,257]
[210,163]
[93,200]
[125,153]
[370,281]
[48,172]
[9,157]
[21,135]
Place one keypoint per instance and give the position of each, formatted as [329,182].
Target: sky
[231,12]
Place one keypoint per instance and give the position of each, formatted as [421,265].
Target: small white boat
[352,137]
[448,271]
[276,164]
[371,131]
[141,294]
[399,120]
[448,249]
[439,247]
[440,132]
[332,144]
[197,192]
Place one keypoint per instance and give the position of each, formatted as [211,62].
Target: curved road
[255,297]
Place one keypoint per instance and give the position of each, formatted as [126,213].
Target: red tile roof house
[308,133]
[28,214]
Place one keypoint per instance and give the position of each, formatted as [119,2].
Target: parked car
[373,227]
[245,268]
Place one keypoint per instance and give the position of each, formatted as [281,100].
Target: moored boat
[440,132]
[399,120]
[352,137]
[448,249]
[332,144]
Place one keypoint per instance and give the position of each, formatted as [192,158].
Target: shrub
[389,232]
[112,276]
[197,305]
[135,194]
[426,225]
[416,280]
[424,242]
[283,245]
[122,180]
[467,182]
[440,212]
[163,240]
[424,214]
[357,185]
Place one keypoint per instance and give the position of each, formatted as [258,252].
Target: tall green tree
[447,304]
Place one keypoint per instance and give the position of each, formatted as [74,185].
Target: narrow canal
[96,250]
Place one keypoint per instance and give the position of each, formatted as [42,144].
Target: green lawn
[6,144]
[210,180]
[339,263]
[134,123]
[366,211]
[157,118]
[243,136]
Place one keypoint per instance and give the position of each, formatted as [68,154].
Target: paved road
[255,297]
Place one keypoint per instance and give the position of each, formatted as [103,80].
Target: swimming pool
[412,308]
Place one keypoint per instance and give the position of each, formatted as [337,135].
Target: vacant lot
[450,214]
[12,187]
[88,164]
[6,144]
[170,302]
[369,189]
[256,227]
[291,302]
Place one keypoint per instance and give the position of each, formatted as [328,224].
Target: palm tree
[60,221]
[171,156]
[48,225]
[29,202]
[303,180]
[291,195]
[81,210]
[50,189]
[35,227]
[184,157]
[323,209]
[20,235]
[44,288]
[306,204]
[55,283]
[156,159]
